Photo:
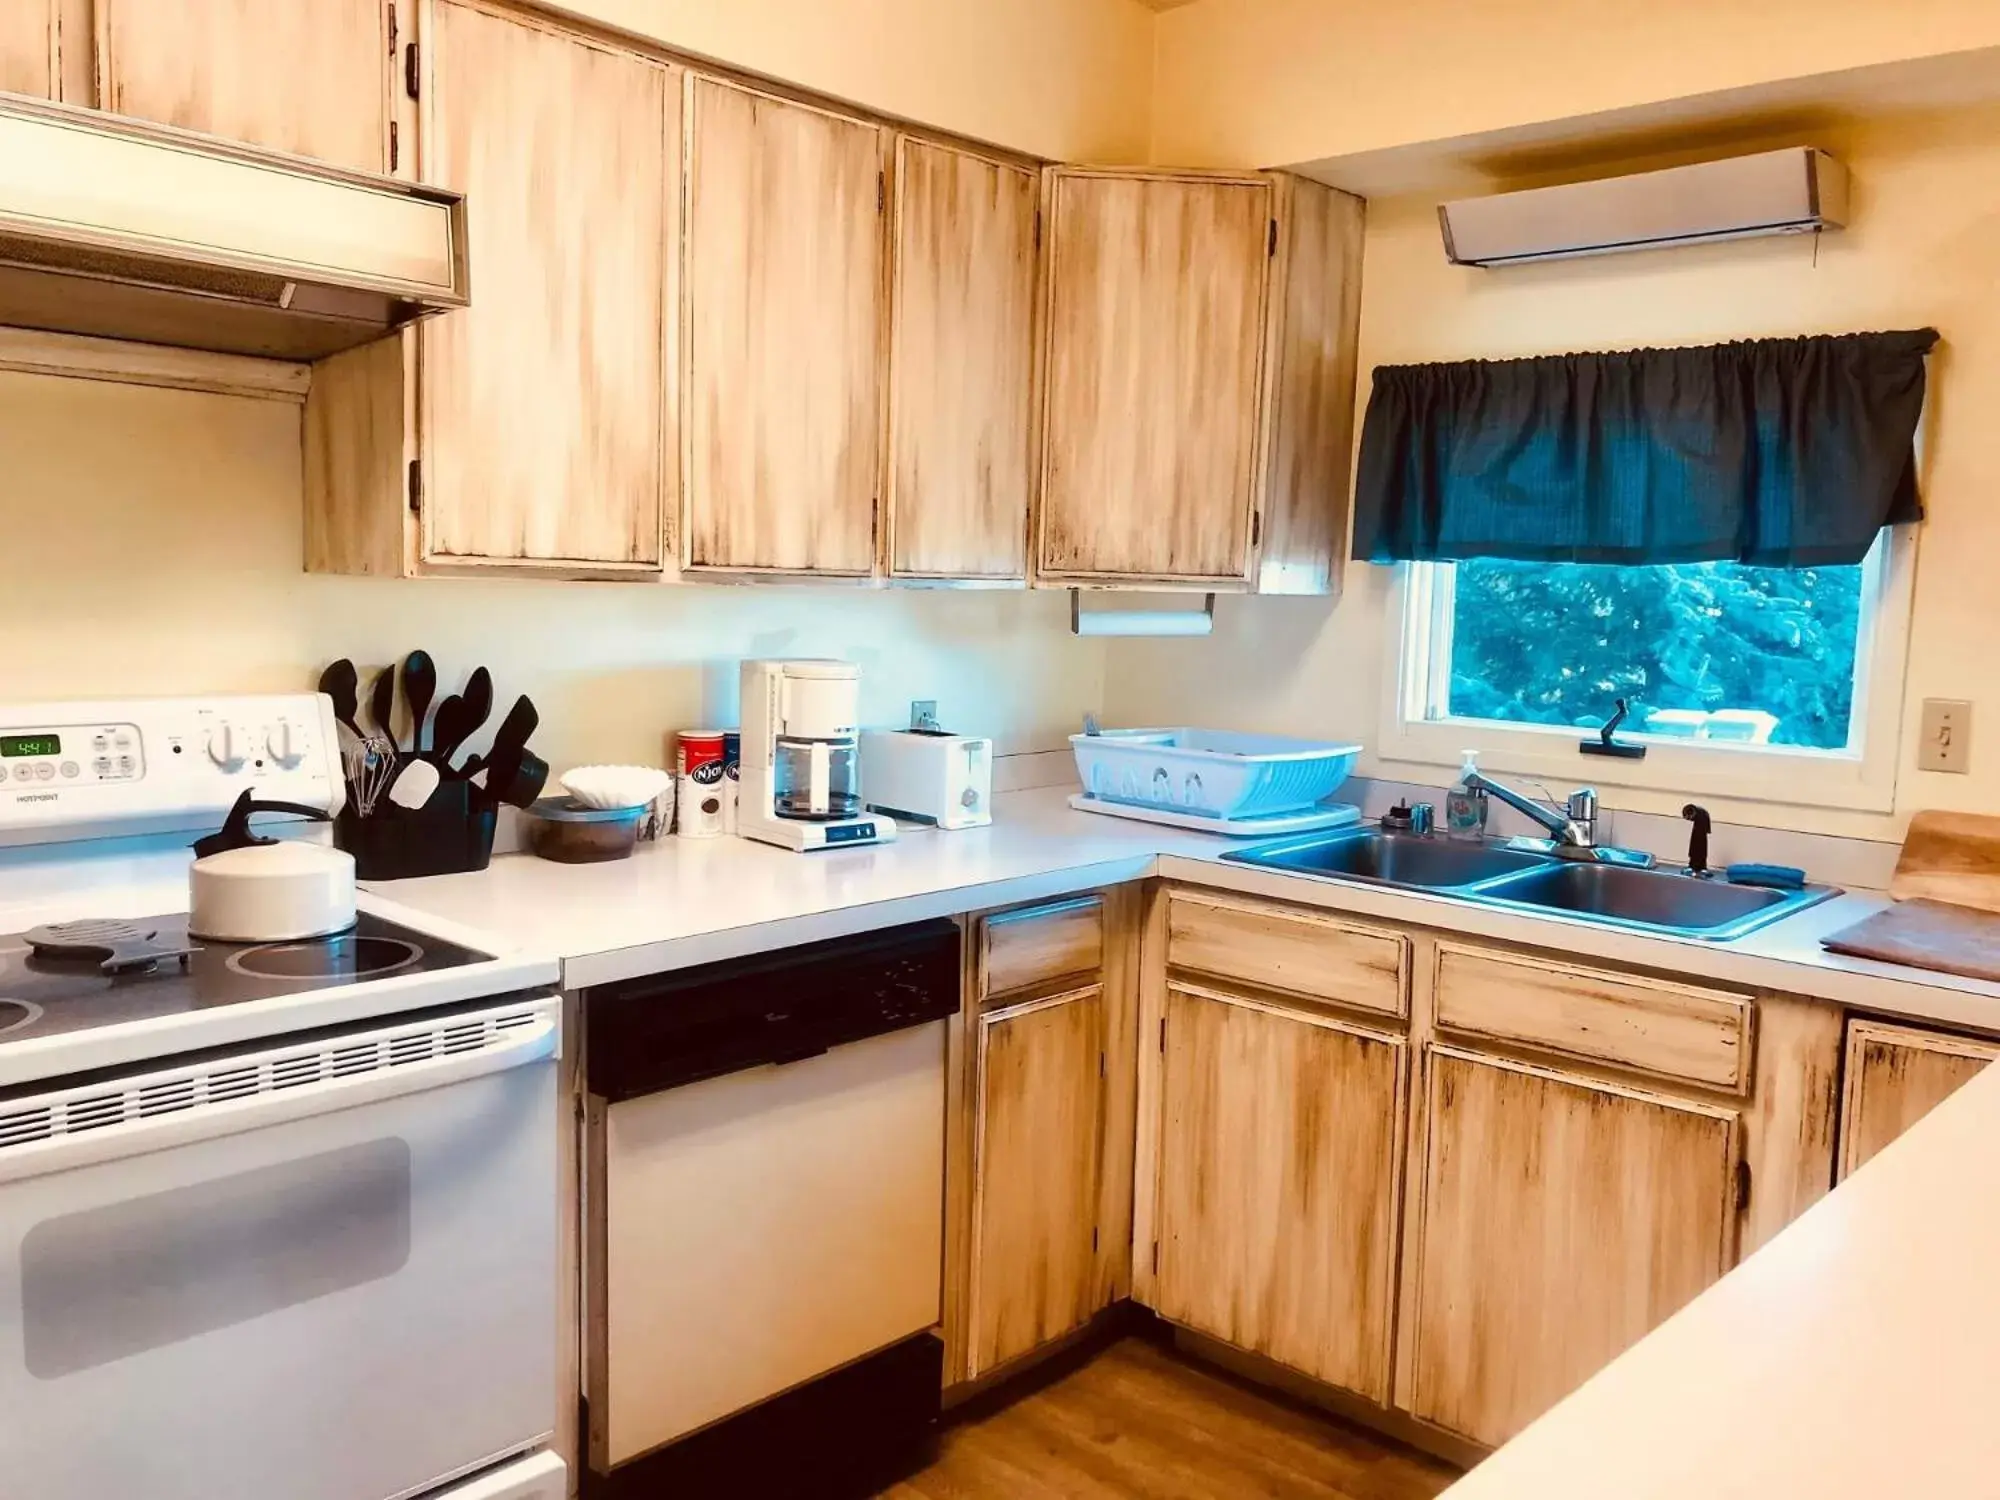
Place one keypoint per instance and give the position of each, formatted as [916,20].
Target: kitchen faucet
[1572,829]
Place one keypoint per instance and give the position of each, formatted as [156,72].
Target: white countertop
[1850,1358]
[689,901]
[1833,1363]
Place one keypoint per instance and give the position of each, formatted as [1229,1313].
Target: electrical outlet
[1946,741]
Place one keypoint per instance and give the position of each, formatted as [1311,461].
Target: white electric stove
[275,1219]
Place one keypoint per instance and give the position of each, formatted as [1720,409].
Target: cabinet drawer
[1019,950]
[1649,1025]
[1287,949]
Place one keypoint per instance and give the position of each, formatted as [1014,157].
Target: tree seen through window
[1557,643]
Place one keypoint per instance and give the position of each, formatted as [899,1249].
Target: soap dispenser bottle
[1465,805]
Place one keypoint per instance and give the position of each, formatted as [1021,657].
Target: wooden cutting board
[1926,935]
[1950,857]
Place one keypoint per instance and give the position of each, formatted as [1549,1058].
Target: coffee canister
[732,776]
[699,793]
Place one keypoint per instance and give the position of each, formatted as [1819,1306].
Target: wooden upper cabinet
[962,365]
[785,295]
[29,36]
[1560,1220]
[1037,1157]
[1156,314]
[547,403]
[307,76]
[1280,1157]
[1896,1075]
[1312,341]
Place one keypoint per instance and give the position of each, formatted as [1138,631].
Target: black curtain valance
[1788,452]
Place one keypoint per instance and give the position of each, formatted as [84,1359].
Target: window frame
[1860,778]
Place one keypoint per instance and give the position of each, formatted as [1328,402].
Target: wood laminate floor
[1138,1421]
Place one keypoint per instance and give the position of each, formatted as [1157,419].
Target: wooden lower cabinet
[1561,1218]
[1277,1204]
[1895,1076]
[1037,1159]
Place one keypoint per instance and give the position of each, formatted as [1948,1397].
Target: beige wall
[1922,249]
[1272,82]
[1066,79]
[150,541]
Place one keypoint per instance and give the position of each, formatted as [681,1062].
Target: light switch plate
[1945,743]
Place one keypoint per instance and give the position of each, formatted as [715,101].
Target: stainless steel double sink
[1502,875]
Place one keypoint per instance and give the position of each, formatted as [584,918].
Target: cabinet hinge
[881,192]
[1256,528]
[416,486]
[1093,1242]
[1271,242]
[412,72]
[1156,1257]
[1742,1186]
[1038,231]
[395,146]
[1163,1033]
[393,31]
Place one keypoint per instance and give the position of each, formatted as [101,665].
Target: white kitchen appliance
[276,1218]
[801,767]
[765,1235]
[122,228]
[928,775]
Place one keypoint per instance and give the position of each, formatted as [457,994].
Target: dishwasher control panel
[666,1030]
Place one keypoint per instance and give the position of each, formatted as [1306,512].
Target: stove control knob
[286,744]
[225,746]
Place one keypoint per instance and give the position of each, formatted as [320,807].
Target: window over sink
[1768,683]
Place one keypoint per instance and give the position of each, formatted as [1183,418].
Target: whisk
[369,765]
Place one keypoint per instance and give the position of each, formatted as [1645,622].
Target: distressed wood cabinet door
[1561,1220]
[1312,350]
[28,34]
[962,365]
[786,254]
[1036,1159]
[547,402]
[1895,1076]
[307,76]
[1280,1169]
[1157,287]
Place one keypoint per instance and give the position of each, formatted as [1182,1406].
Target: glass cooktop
[57,989]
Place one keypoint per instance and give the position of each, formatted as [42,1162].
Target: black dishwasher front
[839,1053]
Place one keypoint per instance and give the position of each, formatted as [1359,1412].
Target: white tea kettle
[243,888]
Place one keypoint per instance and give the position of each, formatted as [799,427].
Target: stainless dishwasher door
[760,1229]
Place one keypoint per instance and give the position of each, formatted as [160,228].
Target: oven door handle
[203,1122]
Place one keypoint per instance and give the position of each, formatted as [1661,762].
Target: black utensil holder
[446,837]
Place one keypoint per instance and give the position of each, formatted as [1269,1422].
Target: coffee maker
[801,767]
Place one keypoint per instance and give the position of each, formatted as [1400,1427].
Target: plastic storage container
[1211,772]
[564,830]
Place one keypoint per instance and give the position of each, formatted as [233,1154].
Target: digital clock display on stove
[13,746]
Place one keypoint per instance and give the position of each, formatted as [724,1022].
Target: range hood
[122,229]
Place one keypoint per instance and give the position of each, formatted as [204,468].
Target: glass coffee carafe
[816,781]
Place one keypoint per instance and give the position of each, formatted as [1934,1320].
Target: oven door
[323,1271]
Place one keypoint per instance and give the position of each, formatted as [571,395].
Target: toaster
[928,776]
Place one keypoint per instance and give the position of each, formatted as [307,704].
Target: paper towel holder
[1141,622]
